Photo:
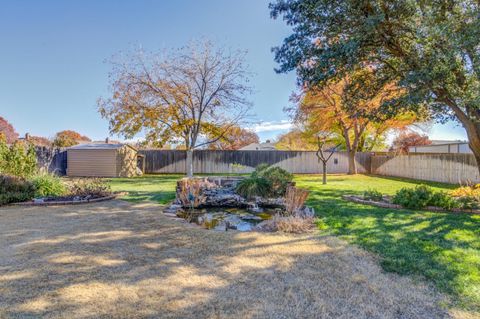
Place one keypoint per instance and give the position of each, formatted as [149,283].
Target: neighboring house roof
[444,142]
[100,146]
[259,147]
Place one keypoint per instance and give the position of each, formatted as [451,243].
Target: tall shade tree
[234,138]
[432,47]
[192,95]
[7,131]
[296,140]
[351,107]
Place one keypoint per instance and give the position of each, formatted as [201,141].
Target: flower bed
[386,203]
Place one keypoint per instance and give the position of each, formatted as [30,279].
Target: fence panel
[55,160]
[225,162]
[446,168]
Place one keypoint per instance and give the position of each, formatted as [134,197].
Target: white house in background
[439,146]
[267,146]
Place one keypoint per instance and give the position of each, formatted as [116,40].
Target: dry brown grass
[121,260]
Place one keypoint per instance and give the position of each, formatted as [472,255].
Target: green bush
[423,196]
[18,159]
[443,200]
[48,185]
[413,198]
[90,187]
[253,186]
[277,177]
[468,202]
[373,194]
[15,189]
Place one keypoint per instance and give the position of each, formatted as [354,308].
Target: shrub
[278,178]
[95,187]
[467,197]
[468,202]
[15,189]
[413,198]
[288,224]
[444,200]
[466,191]
[372,194]
[48,185]
[253,186]
[18,159]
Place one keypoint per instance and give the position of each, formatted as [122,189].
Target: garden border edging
[64,203]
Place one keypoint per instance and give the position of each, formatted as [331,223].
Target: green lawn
[444,248]
[156,188]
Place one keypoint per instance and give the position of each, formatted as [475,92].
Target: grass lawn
[116,259]
[444,248]
[155,188]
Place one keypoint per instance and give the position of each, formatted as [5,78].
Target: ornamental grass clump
[296,218]
[253,186]
[265,181]
[278,178]
[295,200]
[190,191]
[48,185]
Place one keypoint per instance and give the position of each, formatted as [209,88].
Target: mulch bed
[385,204]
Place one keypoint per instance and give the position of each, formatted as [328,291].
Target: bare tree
[193,95]
[323,139]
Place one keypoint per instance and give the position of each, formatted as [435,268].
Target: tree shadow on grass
[120,260]
[442,247]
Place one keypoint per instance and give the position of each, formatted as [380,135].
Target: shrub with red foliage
[7,131]
[407,139]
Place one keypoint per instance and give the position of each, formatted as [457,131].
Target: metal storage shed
[102,160]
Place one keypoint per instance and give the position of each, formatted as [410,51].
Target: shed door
[92,163]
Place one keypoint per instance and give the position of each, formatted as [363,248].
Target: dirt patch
[115,259]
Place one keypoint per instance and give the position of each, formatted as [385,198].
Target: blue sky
[52,56]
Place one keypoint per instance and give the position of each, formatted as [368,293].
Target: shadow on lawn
[442,247]
[129,261]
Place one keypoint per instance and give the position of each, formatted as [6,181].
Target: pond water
[222,219]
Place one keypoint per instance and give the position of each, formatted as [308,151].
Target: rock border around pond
[66,202]
[359,200]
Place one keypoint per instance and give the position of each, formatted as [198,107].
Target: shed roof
[99,146]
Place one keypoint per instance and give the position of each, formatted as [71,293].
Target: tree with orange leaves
[358,106]
[234,138]
[69,138]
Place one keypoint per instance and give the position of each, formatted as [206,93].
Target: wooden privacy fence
[446,168]
[55,160]
[225,162]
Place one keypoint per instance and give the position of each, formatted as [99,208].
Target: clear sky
[52,56]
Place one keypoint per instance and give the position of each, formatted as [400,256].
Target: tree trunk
[324,181]
[473,133]
[189,163]
[352,163]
